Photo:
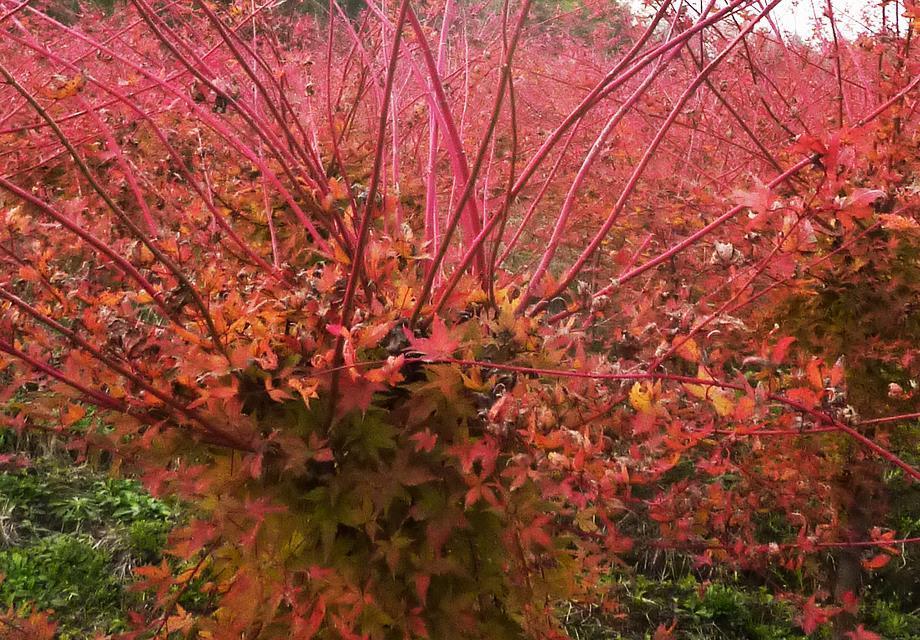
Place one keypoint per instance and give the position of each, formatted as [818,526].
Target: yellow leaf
[68,88]
[721,399]
[640,397]
[340,256]
[110,298]
[306,387]
[722,402]
[585,520]
[474,381]
[696,390]
[688,349]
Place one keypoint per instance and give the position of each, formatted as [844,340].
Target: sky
[799,17]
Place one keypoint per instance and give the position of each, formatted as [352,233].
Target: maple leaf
[813,616]
[850,602]
[744,408]
[37,626]
[390,373]
[813,373]
[306,387]
[357,394]
[440,345]
[371,336]
[641,397]
[484,451]
[337,189]
[181,621]
[73,414]
[191,539]
[861,633]
[864,197]
[721,399]
[804,396]
[424,440]
[894,222]
[478,491]
[779,351]
[688,349]
[876,562]
[759,200]
[535,533]
[67,88]
[158,577]
[30,274]
[665,633]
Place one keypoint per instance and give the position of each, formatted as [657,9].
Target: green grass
[723,609]
[69,574]
[70,537]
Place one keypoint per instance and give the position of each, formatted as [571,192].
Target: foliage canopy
[439,316]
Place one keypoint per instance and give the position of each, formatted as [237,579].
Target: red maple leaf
[424,440]
[814,616]
[439,346]
[876,562]
[861,633]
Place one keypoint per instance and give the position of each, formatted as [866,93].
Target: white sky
[852,16]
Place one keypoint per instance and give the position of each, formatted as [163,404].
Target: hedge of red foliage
[439,314]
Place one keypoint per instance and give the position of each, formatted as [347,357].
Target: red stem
[711,382]
[120,213]
[471,183]
[903,416]
[370,205]
[562,218]
[615,79]
[179,162]
[96,397]
[687,242]
[471,219]
[115,148]
[646,158]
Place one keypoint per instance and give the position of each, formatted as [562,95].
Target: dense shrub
[437,334]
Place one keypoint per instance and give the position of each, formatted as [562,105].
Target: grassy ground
[70,537]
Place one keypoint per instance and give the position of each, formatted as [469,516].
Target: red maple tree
[438,314]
